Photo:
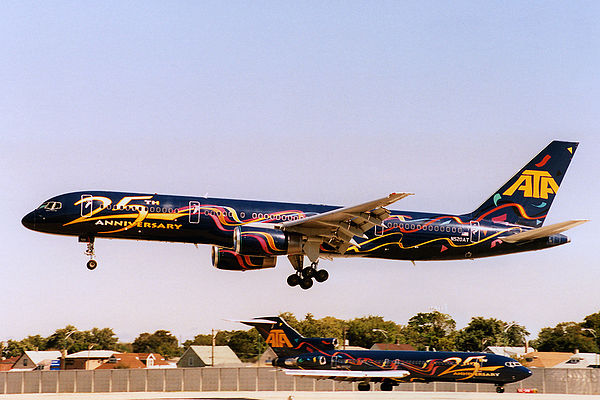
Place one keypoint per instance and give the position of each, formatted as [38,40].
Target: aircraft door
[194,212]
[474,231]
[86,206]
[336,361]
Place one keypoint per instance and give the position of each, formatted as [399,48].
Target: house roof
[580,360]
[223,354]
[7,364]
[392,346]
[92,354]
[38,356]
[158,359]
[123,360]
[544,359]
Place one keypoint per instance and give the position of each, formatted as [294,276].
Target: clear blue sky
[325,102]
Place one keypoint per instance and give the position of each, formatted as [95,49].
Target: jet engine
[308,361]
[232,261]
[259,241]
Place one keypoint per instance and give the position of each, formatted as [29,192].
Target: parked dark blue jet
[321,359]
[249,235]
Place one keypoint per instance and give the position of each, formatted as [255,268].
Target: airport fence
[544,380]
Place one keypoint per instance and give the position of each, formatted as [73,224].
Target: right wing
[337,227]
[345,375]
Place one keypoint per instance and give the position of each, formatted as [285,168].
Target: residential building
[31,360]
[203,356]
[87,359]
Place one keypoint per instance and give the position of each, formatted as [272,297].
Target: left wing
[337,227]
[345,375]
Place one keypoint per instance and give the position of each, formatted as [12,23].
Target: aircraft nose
[31,219]
[524,373]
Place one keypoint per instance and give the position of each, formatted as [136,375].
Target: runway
[285,395]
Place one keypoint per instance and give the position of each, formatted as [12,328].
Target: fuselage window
[242,214]
[459,229]
[453,229]
[412,226]
[436,228]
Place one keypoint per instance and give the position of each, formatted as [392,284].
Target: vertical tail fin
[526,198]
[282,338]
[285,340]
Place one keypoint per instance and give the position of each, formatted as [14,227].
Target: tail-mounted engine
[305,361]
[232,261]
[258,241]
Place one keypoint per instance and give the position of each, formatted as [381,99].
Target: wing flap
[337,227]
[544,231]
[347,375]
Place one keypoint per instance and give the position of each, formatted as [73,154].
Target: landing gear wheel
[499,389]
[293,280]
[92,264]
[364,387]
[308,272]
[306,283]
[386,387]
[321,275]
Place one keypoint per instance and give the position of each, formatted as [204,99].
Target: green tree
[247,345]
[566,337]
[13,348]
[64,339]
[324,327]
[161,342]
[591,325]
[366,331]
[433,330]
[483,332]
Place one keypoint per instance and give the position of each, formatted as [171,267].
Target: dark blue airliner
[321,358]
[249,235]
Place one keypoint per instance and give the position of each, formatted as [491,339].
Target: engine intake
[230,260]
[258,241]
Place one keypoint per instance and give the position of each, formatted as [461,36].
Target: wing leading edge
[345,375]
[337,227]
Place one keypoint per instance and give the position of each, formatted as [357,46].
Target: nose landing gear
[89,251]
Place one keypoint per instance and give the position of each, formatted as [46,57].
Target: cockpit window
[51,206]
[512,364]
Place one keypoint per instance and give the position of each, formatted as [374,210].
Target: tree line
[431,330]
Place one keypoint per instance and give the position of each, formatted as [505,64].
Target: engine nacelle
[307,361]
[232,261]
[258,241]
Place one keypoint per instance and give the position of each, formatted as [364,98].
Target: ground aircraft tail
[285,340]
[526,198]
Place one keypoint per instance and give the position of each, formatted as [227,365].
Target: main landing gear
[89,251]
[499,389]
[364,386]
[304,276]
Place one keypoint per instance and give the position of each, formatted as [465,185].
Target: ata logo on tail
[277,338]
[537,184]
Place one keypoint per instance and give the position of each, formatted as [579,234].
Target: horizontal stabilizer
[543,232]
[347,375]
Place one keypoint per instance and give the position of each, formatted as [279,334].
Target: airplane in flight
[320,358]
[250,235]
